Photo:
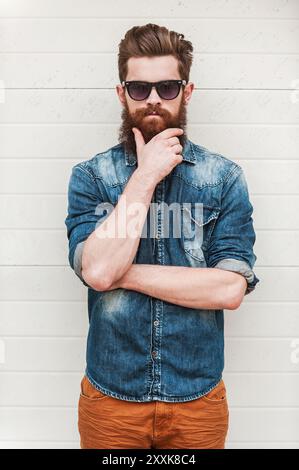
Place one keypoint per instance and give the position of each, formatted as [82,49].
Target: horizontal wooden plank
[258,390]
[103,106]
[248,141]
[41,283]
[270,212]
[39,424]
[27,247]
[33,211]
[5,444]
[104,35]
[50,211]
[261,319]
[45,318]
[52,176]
[263,424]
[277,248]
[79,141]
[47,389]
[61,424]
[44,354]
[262,445]
[68,354]
[54,389]
[272,176]
[36,176]
[40,318]
[143,9]
[262,354]
[208,70]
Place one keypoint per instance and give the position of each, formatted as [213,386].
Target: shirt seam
[161,398]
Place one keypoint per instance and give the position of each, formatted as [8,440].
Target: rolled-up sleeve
[233,237]
[83,215]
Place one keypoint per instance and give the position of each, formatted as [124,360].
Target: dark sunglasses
[166,89]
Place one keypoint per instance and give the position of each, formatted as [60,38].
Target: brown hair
[154,40]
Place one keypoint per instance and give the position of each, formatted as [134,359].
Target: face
[170,113]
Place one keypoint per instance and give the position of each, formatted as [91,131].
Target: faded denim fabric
[140,348]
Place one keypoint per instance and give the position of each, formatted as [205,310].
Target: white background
[58,65]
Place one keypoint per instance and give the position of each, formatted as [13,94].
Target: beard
[151,126]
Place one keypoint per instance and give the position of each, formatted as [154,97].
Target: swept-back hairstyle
[153,40]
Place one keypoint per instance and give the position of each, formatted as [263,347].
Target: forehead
[153,69]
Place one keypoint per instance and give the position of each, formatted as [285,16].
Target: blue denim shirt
[141,348]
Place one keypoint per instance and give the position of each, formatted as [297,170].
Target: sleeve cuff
[238,266]
[78,261]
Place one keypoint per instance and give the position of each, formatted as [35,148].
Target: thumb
[138,139]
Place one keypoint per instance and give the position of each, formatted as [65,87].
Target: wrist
[144,180]
[127,280]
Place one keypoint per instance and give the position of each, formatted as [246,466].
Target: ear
[121,93]
[188,92]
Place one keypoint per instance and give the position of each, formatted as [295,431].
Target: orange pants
[106,422]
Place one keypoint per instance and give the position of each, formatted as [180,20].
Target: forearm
[110,249]
[205,288]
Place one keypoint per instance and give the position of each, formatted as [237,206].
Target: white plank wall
[58,106]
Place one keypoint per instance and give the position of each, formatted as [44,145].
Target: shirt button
[156,322]
[157,236]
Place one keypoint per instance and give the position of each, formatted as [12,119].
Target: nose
[153,98]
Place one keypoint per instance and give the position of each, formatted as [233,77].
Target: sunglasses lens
[169,90]
[138,91]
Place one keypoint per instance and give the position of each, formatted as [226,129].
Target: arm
[230,259]
[204,288]
[85,219]
[233,237]
[109,250]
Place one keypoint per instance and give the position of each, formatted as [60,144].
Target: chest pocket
[198,221]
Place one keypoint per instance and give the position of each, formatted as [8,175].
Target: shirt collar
[187,154]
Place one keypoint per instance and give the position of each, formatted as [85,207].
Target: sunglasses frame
[125,84]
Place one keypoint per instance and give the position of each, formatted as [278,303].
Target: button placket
[157,305]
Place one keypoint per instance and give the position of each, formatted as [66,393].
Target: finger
[173,141]
[177,148]
[179,157]
[170,132]
[139,140]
